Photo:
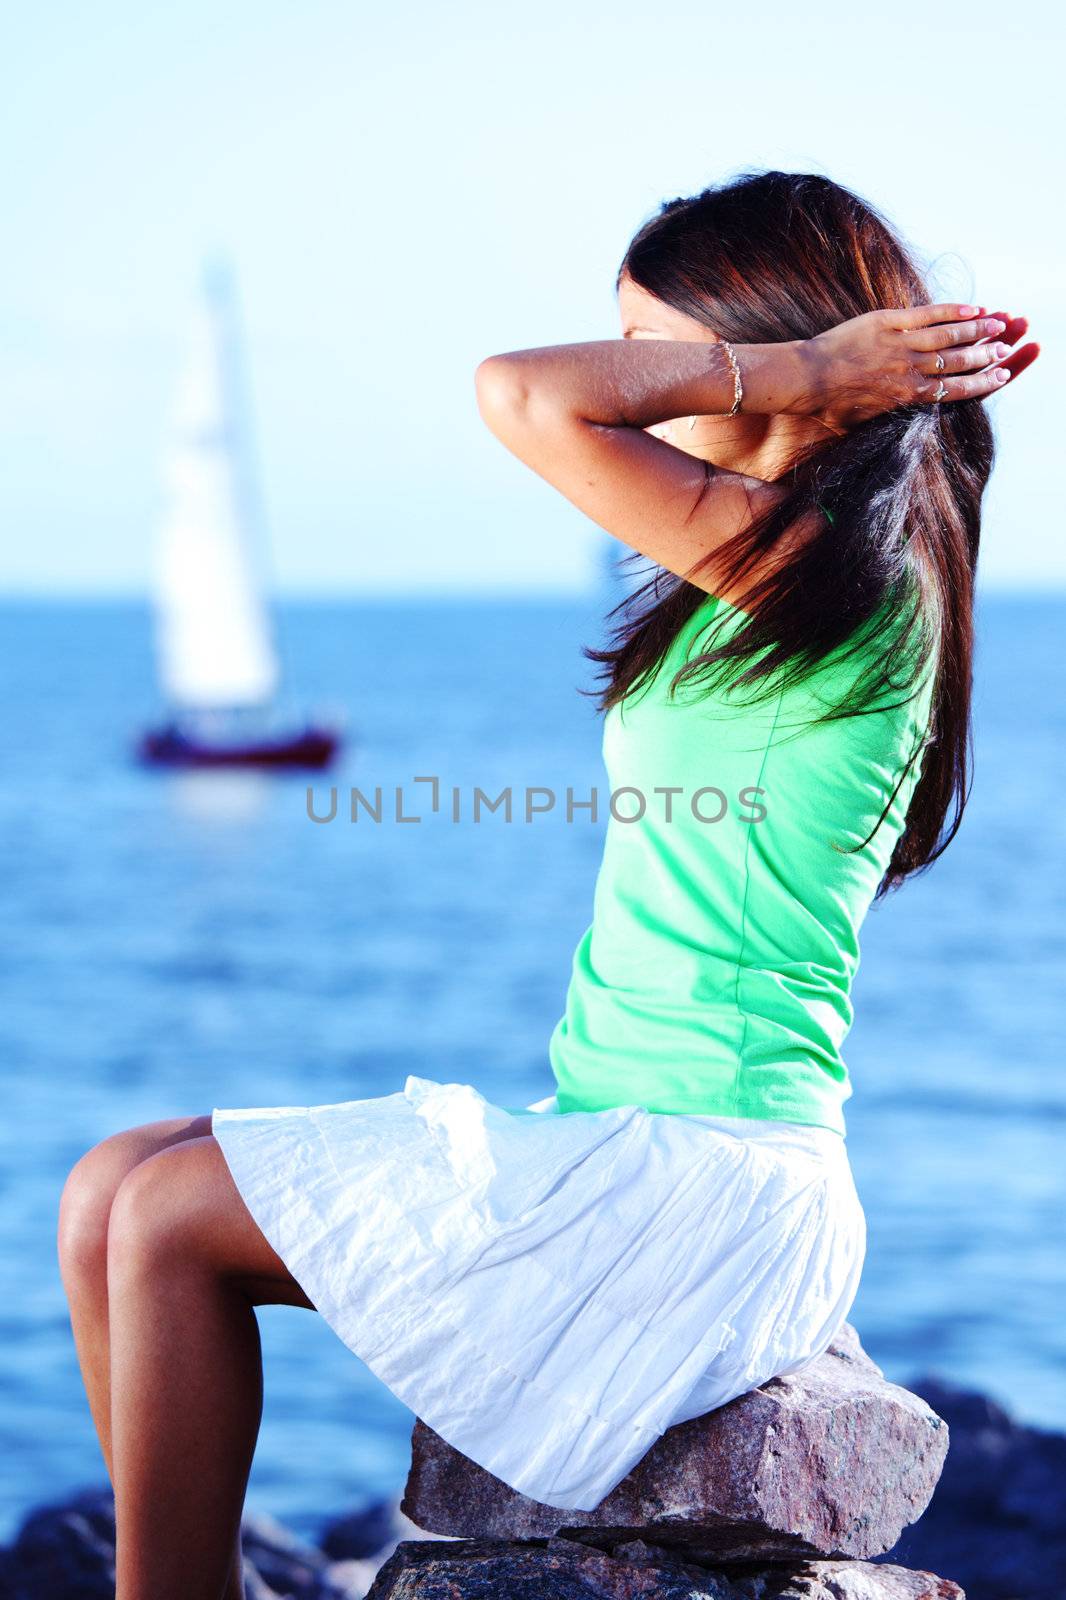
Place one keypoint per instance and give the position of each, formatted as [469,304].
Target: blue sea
[175,943]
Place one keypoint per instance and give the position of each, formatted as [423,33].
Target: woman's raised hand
[923,354]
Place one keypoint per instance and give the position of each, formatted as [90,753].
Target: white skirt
[550,1292]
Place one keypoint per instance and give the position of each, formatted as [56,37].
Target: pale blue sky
[404,190]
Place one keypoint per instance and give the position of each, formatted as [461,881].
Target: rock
[997,1521]
[566,1569]
[287,1566]
[364,1531]
[829,1462]
[67,1552]
[360,1542]
[66,1549]
[351,1579]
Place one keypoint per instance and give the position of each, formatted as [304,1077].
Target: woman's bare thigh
[133,1145]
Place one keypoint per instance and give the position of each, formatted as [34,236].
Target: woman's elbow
[502,394]
[519,404]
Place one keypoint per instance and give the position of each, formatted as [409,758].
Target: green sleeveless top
[715,977]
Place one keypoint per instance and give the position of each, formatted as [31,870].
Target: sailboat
[216,650]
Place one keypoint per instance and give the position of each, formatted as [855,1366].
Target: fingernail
[996,326]
[967,311]
[1003,376]
[1000,350]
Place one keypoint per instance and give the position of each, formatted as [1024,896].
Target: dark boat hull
[309,747]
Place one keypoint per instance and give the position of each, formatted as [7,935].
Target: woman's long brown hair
[897,500]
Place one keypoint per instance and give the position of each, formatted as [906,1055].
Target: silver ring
[941,390]
[939,362]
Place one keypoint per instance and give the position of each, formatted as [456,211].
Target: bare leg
[186,1266]
[84,1213]
[84,1216]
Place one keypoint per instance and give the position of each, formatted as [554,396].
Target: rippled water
[171,944]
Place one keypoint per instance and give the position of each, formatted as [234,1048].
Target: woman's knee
[180,1212]
[85,1205]
[93,1183]
[162,1209]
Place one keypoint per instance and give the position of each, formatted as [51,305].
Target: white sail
[214,640]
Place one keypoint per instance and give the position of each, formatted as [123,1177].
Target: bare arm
[576,415]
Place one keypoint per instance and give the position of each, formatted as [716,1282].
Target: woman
[796,439]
